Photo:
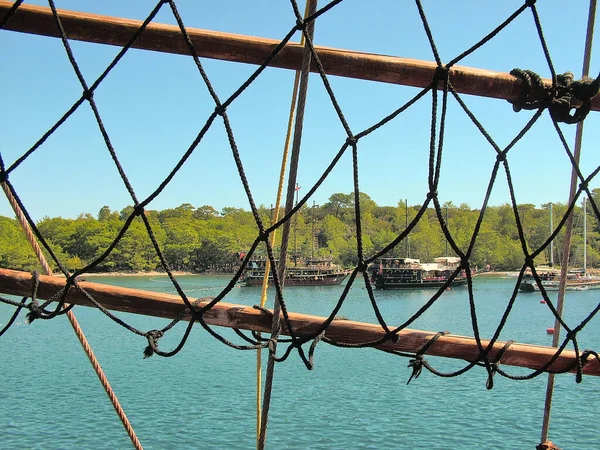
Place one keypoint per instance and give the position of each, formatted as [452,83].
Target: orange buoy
[550,330]
[542,301]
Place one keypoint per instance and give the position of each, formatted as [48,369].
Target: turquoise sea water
[205,396]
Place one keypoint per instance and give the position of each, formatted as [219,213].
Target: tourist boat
[409,273]
[313,272]
[577,280]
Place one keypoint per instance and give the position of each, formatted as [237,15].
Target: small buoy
[550,330]
[543,301]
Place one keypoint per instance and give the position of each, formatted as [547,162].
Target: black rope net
[552,103]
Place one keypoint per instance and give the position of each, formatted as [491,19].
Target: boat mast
[552,241]
[295,229]
[312,234]
[584,237]
[406,226]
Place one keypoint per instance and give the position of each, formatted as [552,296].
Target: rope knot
[583,185]
[417,366]
[530,3]
[501,157]
[351,141]
[529,261]
[88,95]
[153,336]
[35,312]
[362,266]
[300,24]
[441,73]
[495,366]
[220,110]
[536,95]
[3,176]
[138,210]
[431,195]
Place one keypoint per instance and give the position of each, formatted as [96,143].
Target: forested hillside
[198,239]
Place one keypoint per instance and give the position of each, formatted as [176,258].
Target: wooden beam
[247,318]
[254,50]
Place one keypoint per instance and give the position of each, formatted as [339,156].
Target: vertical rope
[73,320]
[311,7]
[568,225]
[265,285]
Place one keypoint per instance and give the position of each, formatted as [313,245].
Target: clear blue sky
[153,105]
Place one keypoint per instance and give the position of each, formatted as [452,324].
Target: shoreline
[184,274]
[152,273]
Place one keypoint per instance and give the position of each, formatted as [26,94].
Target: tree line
[200,239]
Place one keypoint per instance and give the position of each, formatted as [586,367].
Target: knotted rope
[558,98]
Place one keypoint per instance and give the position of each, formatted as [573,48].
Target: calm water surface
[205,396]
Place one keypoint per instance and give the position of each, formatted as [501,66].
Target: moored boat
[409,273]
[313,272]
[577,280]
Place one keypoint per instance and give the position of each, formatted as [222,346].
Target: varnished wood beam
[247,318]
[254,50]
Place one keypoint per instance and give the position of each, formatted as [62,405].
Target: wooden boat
[313,272]
[409,273]
[577,280]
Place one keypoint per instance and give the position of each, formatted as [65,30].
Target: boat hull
[423,284]
[302,280]
[575,285]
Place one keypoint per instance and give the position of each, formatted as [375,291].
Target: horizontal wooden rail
[247,318]
[254,50]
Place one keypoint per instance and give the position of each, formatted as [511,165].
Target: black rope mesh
[557,98]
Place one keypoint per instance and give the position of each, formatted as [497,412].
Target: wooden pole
[254,50]
[248,318]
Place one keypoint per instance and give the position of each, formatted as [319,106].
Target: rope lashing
[153,336]
[418,361]
[35,312]
[496,365]
[536,95]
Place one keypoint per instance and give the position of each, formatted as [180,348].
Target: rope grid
[535,96]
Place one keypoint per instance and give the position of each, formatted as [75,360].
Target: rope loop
[536,95]
[153,336]
[418,361]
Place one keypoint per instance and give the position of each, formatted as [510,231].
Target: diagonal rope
[308,32]
[265,285]
[569,225]
[74,323]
